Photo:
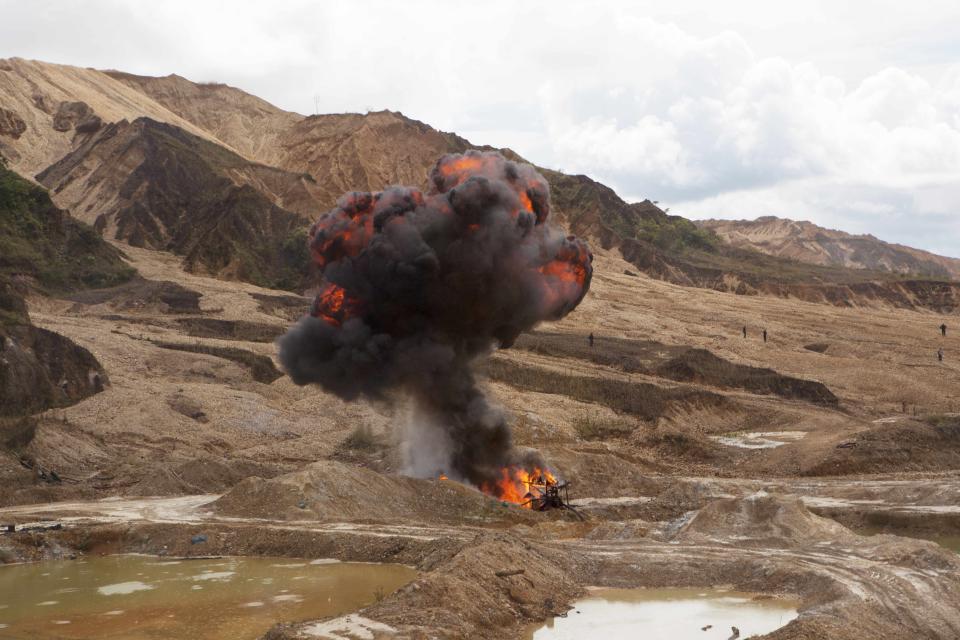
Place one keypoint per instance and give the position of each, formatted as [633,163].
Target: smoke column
[416,287]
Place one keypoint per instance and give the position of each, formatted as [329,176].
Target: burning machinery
[546,492]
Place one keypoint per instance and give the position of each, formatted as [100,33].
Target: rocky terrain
[697,456]
[302,164]
[807,242]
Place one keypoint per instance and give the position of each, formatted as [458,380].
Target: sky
[843,113]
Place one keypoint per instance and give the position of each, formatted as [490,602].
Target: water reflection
[140,598]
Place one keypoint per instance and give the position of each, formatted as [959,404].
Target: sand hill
[807,242]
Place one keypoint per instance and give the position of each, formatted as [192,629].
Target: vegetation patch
[42,242]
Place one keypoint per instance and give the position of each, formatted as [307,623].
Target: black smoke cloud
[417,287]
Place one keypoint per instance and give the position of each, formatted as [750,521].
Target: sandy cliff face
[253,127]
[50,103]
[73,128]
[154,185]
[807,242]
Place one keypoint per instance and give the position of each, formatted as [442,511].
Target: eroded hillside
[63,123]
[807,242]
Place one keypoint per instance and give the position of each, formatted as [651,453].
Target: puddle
[141,598]
[676,614]
[950,542]
[760,439]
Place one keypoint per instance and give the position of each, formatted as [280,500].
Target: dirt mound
[196,476]
[490,589]
[913,446]
[336,492]
[261,368]
[143,295]
[599,473]
[685,364]
[761,520]
[640,399]
[286,307]
[230,329]
[41,369]
[701,366]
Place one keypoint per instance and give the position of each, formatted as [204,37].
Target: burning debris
[543,490]
[416,287]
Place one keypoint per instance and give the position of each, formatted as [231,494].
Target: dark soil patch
[643,400]
[701,366]
[286,307]
[140,293]
[230,329]
[261,367]
[42,369]
[914,446]
[683,364]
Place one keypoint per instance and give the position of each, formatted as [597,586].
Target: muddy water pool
[139,597]
[677,614]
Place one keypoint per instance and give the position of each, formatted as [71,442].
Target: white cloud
[844,113]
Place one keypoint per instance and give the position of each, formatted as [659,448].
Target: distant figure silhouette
[940,354]
[590,338]
[744,331]
[735,633]
[764,335]
[943,330]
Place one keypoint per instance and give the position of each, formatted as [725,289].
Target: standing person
[590,338]
[744,331]
[940,354]
[764,335]
[943,329]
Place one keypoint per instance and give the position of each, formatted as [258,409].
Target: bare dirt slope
[175,421]
[154,185]
[50,111]
[807,242]
[254,127]
[297,465]
[52,100]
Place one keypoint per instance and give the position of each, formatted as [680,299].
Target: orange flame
[566,276]
[517,484]
[461,164]
[333,305]
[459,169]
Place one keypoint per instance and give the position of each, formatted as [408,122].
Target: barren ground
[143,464]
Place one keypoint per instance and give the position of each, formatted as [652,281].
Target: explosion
[417,287]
